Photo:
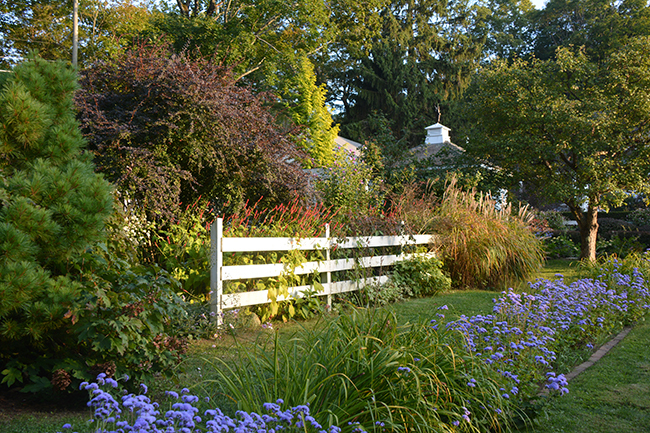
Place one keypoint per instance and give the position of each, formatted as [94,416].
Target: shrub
[611,224]
[619,246]
[350,186]
[560,247]
[555,220]
[167,129]
[483,246]
[422,273]
[640,217]
[375,295]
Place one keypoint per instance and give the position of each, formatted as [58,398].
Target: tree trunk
[588,224]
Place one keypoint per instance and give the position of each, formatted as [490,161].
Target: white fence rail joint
[220,273]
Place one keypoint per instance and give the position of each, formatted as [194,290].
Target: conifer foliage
[52,207]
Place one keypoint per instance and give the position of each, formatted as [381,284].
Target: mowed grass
[611,396]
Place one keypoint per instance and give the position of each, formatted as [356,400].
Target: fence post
[216,262]
[329,266]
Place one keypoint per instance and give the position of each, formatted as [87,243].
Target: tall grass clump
[363,372]
[482,244]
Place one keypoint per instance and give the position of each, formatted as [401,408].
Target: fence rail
[220,273]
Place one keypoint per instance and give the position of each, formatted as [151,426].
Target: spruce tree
[52,206]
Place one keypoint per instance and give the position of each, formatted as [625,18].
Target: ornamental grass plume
[482,244]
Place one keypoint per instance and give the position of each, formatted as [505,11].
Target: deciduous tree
[105,27]
[576,129]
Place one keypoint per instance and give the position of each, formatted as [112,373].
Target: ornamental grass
[484,245]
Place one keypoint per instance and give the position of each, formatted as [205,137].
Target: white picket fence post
[329,268]
[220,273]
[216,264]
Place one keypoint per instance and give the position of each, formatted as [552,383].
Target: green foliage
[640,217]
[560,247]
[104,29]
[184,250]
[619,246]
[52,207]
[304,102]
[376,295]
[124,317]
[118,322]
[422,273]
[364,369]
[264,40]
[396,58]
[600,26]
[483,246]
[350,186]
[599,150]
[278,289]
[555,220]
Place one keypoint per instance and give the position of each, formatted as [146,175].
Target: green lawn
[611,396]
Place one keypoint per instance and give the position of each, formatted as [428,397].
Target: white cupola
[437,134]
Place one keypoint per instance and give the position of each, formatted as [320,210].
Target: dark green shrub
[640,217]
[611,224]
[555,219]
[619,246]
[422,274]
[118,323]
[560,246]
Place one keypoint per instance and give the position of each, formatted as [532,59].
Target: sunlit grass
[611,396]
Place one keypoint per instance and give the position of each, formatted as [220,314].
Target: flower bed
[137,413]
[522,339]
[365,373]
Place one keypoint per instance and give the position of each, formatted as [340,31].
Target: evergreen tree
[416,55]
[52,206]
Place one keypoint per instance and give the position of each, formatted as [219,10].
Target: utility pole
[75,33]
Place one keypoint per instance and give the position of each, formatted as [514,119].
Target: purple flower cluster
[521,337]
[137,413]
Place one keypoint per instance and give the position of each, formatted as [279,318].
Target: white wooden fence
[220,273]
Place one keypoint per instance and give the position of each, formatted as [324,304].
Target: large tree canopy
[601,26]
[578,130]
[168,130]
[105,28]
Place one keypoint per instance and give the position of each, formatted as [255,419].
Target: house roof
[349,145]
[437,145]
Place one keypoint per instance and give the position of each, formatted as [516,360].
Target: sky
[539,4]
